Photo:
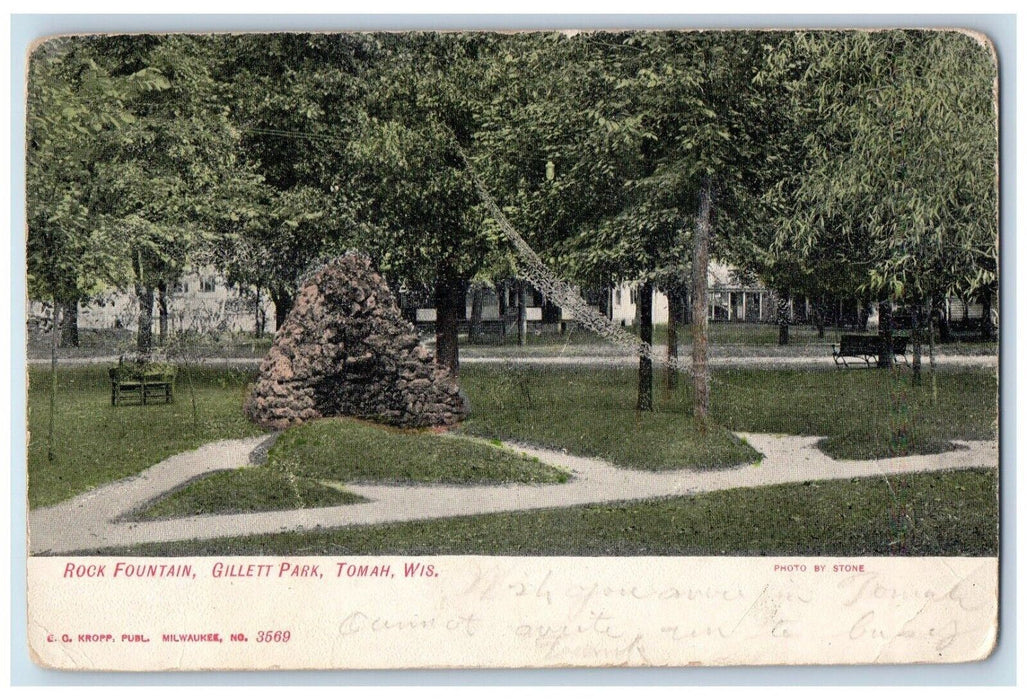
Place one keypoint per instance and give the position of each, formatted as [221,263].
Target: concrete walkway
[97,519]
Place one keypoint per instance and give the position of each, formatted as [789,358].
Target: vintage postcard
[510,350]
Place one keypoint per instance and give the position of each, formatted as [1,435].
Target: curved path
[97,519]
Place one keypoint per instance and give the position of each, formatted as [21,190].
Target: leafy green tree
[568,150]
[424,101]
[654,138]
[295,99]
[168,190]
[75,110]
[708,130]
[898,173]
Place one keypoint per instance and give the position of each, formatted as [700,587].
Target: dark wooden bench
[146,383]
[867,347]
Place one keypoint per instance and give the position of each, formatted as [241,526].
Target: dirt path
[97,519]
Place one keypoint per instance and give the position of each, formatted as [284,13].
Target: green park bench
[146,382]
[866,347]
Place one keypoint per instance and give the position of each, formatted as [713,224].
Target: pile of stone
[346,350]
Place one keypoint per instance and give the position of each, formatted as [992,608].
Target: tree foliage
[843,163]
[295,99]
[896,186]
[77,114]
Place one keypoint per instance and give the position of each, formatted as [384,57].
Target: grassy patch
[249,490]
[307,462]
[590,412]
[864,442]
[345,450]
[931,514]
[97,443]
[865,414]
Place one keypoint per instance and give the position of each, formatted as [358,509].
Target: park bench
[865,347]
[146,382]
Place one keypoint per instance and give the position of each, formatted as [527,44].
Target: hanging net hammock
[563,294]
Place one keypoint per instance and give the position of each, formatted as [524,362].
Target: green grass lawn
[346,450]
[583,410]
[96,443]
[865,414]
[936,514]
[732,333]
[726,339]
[591,412]
[587,411]
[309,464]
[247,490]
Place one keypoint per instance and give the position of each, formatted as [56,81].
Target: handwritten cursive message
[431,612]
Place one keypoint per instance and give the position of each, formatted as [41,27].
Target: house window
[207,284]
[617,295]
[181,288]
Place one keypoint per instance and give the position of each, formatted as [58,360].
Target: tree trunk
[673,317]
[917,346]
[645,364]
[885,359]
[700,302]
[69,325]
[54,331]
[449,297]
[930,350]
[283,301]
[944,330]
[144,335]
[522,314]
[987,331]
[550,313]
[862,316]
[503,292]
[820,311]
[162,311]
[477,302]
[258,317]
[782,317]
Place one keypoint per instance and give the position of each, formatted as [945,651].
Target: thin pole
[53,380]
